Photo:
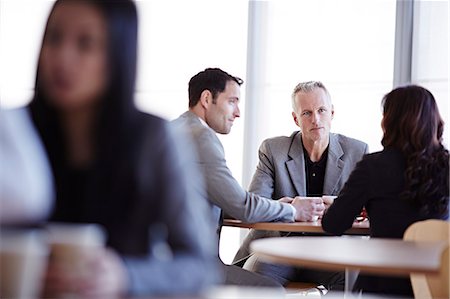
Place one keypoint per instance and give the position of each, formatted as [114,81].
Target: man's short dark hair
[212,79]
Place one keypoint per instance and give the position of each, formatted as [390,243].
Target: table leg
[350,278]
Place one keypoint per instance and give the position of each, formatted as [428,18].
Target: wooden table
[358,228]
[378,256]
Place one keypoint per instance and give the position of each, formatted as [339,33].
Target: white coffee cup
[70,242]
[23,260]
[76,234]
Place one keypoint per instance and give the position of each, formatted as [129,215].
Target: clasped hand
[307,208]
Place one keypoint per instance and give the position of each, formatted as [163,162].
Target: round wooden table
[382,256]
[378,256]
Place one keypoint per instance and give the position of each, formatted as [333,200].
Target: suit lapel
[296,164]
[334,166]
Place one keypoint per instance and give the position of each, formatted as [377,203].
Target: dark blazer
[151,214]
[376,184]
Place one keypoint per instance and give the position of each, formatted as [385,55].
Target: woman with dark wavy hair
[407,181]
[113,165]
[415,127]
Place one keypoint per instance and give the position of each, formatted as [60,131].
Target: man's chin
[222,131]
[318,136]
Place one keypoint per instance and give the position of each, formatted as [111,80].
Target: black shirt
[70,204]
[315,173]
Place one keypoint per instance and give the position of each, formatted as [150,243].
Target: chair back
[431,286]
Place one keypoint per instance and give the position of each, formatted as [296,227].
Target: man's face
[221,114]
[313,114]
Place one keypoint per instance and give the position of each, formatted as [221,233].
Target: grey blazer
[281,171]
[223,191]
[281,168]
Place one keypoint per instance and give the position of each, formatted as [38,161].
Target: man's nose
[237,112]
[315,117]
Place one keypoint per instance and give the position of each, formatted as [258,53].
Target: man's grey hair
[308,87]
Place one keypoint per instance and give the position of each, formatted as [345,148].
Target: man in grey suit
[311,162]
[213,106]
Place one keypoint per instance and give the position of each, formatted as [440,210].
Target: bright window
[430,54]
[22,25]
[348,45]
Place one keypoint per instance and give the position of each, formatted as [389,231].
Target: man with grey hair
[310,163]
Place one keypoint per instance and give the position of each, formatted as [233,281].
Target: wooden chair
[431,286]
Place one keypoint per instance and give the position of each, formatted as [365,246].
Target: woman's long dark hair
[412,124]
[117,117]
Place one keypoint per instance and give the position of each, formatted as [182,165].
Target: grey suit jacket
[281,172]
[281,168]
[223,191]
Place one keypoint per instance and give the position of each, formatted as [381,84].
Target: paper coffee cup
[69,240]
[23,260]
[77,234]
[69,243]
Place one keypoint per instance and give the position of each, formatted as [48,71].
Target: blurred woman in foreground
[113,165]
[407,181]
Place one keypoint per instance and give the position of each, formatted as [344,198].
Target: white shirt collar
[203,122]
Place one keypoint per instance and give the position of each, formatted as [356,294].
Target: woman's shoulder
[385,159]
[146,131]
[385,154]
[146,125]
[148,119]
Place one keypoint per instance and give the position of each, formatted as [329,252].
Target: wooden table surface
[359,228]
[382,256]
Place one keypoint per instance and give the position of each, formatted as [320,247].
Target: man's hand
[328,200]
[308,208]
[286,199]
